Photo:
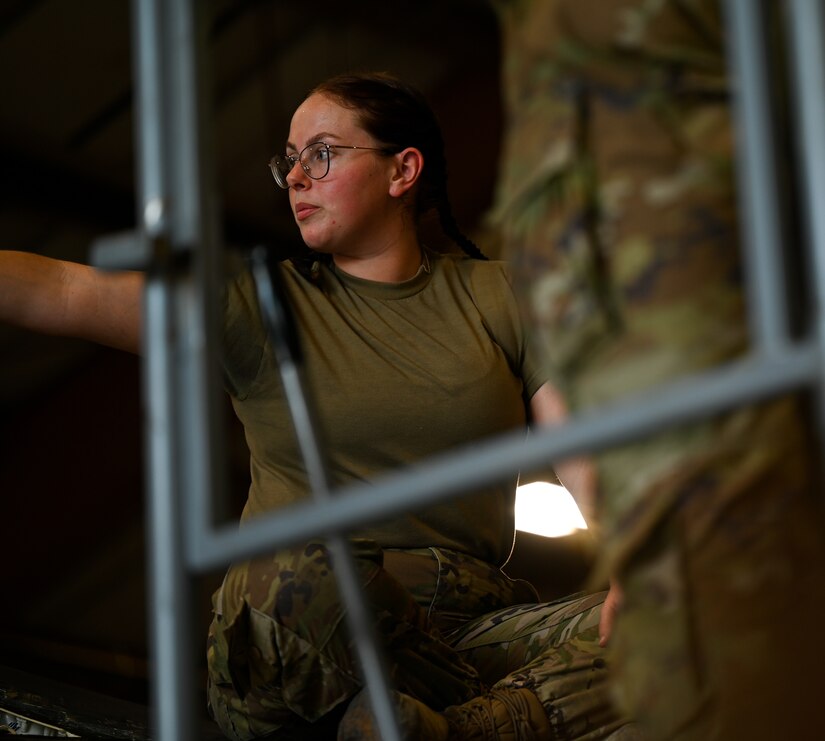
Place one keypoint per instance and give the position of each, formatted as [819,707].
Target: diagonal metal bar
[279,322]
[456,472]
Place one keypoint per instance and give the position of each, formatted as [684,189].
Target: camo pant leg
[281,661]
[553,650]
[549,648]
[617,207]
[280,657]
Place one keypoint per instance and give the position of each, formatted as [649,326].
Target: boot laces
[479,715]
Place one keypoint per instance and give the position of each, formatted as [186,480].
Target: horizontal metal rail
[450,474]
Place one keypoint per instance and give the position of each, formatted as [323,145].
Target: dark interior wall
[72,481]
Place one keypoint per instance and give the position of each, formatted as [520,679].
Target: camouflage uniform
[280,657]
[617,209]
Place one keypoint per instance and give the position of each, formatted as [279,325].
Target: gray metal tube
[807,45]
[179,384]
[758,196]
[360,619]
[169,586]
[147,63]
[443,476]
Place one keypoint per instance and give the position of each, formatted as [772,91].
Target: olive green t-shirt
[398,372]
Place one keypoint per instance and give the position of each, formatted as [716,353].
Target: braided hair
[397,115]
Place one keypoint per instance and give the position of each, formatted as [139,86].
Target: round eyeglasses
[314,158]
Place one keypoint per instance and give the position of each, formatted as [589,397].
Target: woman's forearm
[577,475]
[64,298]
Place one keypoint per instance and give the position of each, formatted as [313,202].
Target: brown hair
[398,116]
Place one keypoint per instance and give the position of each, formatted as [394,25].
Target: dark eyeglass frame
[281,164]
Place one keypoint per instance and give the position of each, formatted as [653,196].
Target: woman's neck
[394,264]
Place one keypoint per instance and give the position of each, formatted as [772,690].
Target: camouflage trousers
[282,663]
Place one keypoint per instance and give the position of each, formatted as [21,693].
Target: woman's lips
[304,210]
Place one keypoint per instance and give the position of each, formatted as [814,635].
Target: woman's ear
[408,165]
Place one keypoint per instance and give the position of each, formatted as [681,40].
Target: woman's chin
[318,245]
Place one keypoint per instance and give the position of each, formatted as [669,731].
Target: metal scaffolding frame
[176,243]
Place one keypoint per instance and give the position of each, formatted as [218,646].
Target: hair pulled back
[398,116]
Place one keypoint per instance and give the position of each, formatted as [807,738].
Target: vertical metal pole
[196,240]
[180,379]
[169,588]
[756,169]
[807,48]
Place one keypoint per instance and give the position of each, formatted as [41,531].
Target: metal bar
[195,239]
[360,619]
[169,585]
[757,176]
[197,411]
[447,475]
[170,589]
[147,63]
[807,49]
[179,377]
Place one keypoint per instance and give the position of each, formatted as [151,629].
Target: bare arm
[70,299]
[578,475]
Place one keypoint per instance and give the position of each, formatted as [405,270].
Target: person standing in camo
[617,211]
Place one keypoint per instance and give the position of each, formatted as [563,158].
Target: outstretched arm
[70,299]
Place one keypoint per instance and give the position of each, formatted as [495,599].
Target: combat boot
[508,714]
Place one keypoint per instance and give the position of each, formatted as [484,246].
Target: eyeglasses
[314,158]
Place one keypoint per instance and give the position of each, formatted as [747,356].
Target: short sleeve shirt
[398,372]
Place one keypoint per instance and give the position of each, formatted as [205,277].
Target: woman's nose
[297,177]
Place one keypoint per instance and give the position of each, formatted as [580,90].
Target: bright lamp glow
[547,509]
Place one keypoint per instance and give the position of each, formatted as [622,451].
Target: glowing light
[547,509]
